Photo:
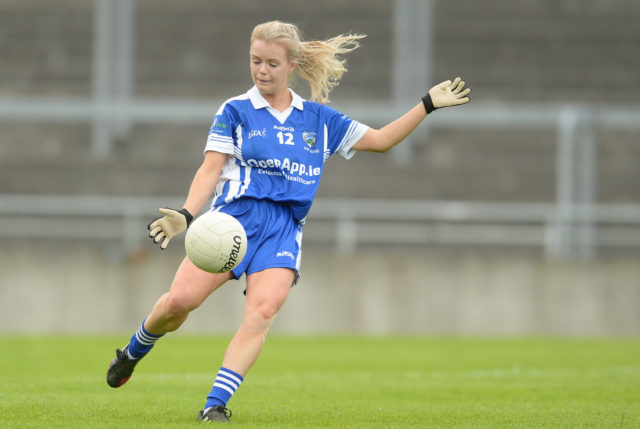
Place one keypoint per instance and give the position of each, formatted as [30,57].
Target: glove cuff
[428,103]
[188,216]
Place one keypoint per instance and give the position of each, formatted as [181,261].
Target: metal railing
[343,223]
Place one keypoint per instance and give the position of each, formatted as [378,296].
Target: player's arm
[173,221]
[445,94]
[205,181]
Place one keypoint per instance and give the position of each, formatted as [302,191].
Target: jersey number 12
[288,136]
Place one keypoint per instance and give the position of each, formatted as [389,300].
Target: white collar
[259,101]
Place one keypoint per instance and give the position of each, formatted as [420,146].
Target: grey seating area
[538,52]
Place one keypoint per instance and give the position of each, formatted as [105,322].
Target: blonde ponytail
[319,65]
[317,61]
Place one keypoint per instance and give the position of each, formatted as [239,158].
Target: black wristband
[428,103]
[188,216]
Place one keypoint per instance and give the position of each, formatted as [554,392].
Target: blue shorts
[274,236]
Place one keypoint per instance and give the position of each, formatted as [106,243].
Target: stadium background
[516,214]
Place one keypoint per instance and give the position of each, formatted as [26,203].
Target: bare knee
[177,306]
[266,310]
[169,313]
[258,318]
[266,293]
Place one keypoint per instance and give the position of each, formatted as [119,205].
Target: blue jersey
[278,156]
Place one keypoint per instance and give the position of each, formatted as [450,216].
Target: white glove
[446,94]
[168,226]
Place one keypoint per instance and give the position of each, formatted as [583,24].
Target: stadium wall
[77,288]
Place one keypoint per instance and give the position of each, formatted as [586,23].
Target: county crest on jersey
[309,138]
[275,155]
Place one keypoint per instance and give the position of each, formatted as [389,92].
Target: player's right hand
[168,226]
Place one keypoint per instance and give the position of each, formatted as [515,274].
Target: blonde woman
[262,163]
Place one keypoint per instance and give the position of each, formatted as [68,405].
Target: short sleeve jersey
[275,155]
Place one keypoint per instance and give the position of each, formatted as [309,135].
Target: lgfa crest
[309,138]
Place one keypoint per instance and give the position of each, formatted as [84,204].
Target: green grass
[328,382]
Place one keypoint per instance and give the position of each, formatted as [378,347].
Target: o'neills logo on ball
[233,255]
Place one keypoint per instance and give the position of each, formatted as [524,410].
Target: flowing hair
[317,61]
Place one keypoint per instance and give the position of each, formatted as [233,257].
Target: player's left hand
[446,94]
[168,226]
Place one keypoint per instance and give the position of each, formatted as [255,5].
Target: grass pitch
[329,382]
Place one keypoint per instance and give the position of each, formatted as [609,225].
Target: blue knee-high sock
[141,342]
[226,384]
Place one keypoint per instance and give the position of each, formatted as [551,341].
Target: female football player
[262,163]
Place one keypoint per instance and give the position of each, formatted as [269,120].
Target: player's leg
[266,293]
[190,287]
